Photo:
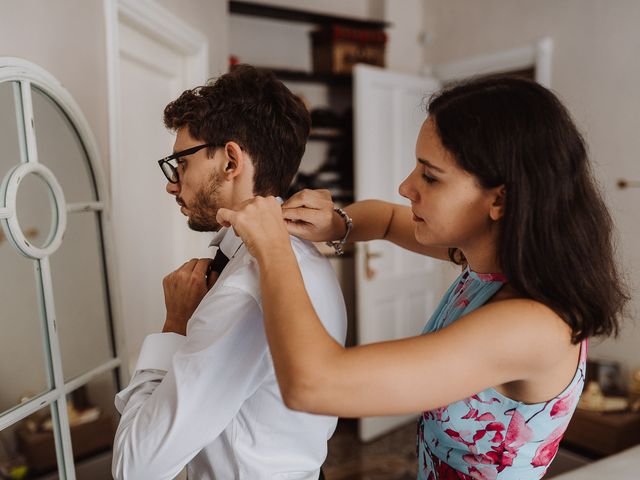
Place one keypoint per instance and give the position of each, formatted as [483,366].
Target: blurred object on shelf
[87,438]
[325,121]
[336,49]
[336,172]
[233,61]
[91,432]
[322,180]
[594,400]
[304,100]
[607,374]
[76,417]
[634,391]
[12,465]
[592,397]
[601,434]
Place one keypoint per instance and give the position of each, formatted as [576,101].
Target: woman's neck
[482,260]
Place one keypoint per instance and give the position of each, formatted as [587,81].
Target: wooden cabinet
[602,434]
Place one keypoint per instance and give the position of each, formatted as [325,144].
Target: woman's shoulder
[509,310]
[524,328]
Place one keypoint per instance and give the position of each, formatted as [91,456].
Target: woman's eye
[181,163]
[429,179]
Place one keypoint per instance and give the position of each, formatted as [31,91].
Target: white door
[396,289]
[152,236]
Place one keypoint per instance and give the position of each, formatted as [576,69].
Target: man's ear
[499,199]
[234,161]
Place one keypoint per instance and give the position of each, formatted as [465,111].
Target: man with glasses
[204,392]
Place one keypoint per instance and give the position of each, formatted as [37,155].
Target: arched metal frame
[26,75]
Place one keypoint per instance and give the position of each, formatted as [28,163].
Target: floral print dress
[489,436]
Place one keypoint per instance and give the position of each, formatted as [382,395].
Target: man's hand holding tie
[184,289]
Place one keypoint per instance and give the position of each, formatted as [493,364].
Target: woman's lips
[417,219]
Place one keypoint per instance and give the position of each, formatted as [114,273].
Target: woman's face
[450,207]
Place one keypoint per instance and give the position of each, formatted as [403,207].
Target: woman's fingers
[302,214]
[307,224]
[312,199]
[309,216]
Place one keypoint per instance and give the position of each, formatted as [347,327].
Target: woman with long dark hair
[502,186]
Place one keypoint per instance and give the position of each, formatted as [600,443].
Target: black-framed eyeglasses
[170,170]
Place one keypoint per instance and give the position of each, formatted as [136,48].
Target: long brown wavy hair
[556,239]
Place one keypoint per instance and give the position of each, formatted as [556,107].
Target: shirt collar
[227,241]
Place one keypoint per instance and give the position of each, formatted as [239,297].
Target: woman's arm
[508,341]
[499,343]
[310,215]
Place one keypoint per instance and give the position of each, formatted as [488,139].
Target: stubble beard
[205,207]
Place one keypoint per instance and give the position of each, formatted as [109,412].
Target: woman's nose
[406,190]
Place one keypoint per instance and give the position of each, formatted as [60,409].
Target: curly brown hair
[254,109]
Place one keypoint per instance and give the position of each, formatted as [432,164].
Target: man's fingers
[201,267]
[212,278]
[187,266]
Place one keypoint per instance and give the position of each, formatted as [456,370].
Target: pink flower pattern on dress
[489,436]
[548,448]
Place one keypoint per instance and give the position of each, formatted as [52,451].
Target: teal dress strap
[470,291]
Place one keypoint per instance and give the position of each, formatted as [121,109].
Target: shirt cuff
[158,349]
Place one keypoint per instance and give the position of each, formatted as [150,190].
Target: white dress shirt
[210,400]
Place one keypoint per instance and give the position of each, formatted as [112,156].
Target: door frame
[153,20]
[537,55]
[427,277]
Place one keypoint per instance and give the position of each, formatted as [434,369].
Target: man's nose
[173,188]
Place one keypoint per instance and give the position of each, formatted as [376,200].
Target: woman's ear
[234,161]
[497,208]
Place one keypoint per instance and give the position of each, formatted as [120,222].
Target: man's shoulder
[305,248]
[244,273]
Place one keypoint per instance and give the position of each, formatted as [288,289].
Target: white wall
[596,73]
[210,17]
[67,38]
[405,50]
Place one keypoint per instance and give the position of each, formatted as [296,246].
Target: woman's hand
[309,215]
[260,225]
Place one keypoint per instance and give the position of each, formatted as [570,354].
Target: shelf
[326,135]
[308,77]
[301,16]
[325,138]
